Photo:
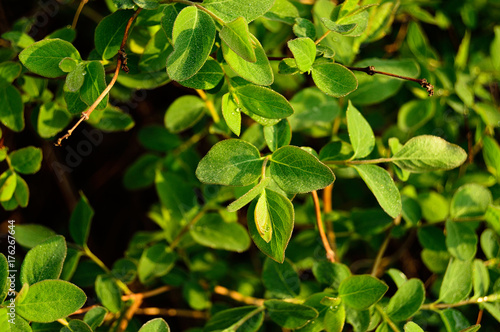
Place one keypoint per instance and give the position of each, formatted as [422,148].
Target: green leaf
[262,217]
[382,186]
[94,84]
[297,171]
[495,47]
[11,108]
[407,300]
[156,261]
[109,33]
[492,216]
[472,328]
[457,281]
[158,138]
[419,44]
[283,11]
[258,72]
[195,295]
[279,135]
[8,183]
[170,13]
[43,57]
[229,10]
[155,53]
[489,244]
[4,274]
[52,119]
[74,103]
[230,162]
[67,33]
[193,37]
[337,150]
[250,318]
[50,300]
[212,231]
[361,291]
[263,101]
[9,71]
[453,320]
[331,274]
[67,65]
[335,319]
[108,293]
[360,133]
[480,278]
[79,223]
[184,113]
[461,240]
[470,200]
[304,52]
[75,78]
[95,317]
[45,261]
[304,28]
[338,28]
[377,88]
[26,160]
[289,315]
[429,153]
[280,279]
[412,327]
[142,172]
[231,113]
[248,196]
[30,235]
[76,325]
[208,77]
[155,325]
[491,155]
[237,37]
[70,263]
[111,119]
[147,4]
[333,79]
[281,215]
[415,114]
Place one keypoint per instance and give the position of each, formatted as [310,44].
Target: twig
[172,312]
[147,294]
[327,208]
[322,37]
[77,14]
[382,249]
[370,70]
[130,313]
[221,290]
[434,306]
[330,254]
[121,64]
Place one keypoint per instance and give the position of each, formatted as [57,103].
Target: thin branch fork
[121,64]
[370,70]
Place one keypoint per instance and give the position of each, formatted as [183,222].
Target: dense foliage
[325,165]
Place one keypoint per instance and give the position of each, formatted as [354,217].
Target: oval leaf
[290,315]
[109,33]
[229,10]
[230,162]
[263,101]
[50,300]
[193,37]
[236,35]
[429,153]
[304,52]
[360,133]
[184,113]
[280,279]
[407,300]
[362,291]
[298,171]
[26,160]
[334,80]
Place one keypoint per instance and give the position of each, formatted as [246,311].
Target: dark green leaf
[457,282]
[415,114]
[281,216]
[290,315]
[407,300]
[9,71]
[278,135]
[461,240]
[43,57]
[297,171]
[212,231]
[338,28]
[76,325]
[230,162]
[229,10]
[333,79]
[11,108]
[193,37]
[338,150]
[470,200]
[50,300]
[383,188]
[156,261]
[109,33]
[155,325]
[111,119]
[108,293]
[361,291]
[208,77]
[250,317]
[155,53]
[30,235]
[75,78]
[142,172]
[79,223]
[94,84]
[45,261]
[304,28]
[280,279]
[184,113]
[158,138]
[331,274]
[52,119]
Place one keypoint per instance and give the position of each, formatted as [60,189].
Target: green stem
[386,318]
[98,261]
[242,321]
[435,306]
